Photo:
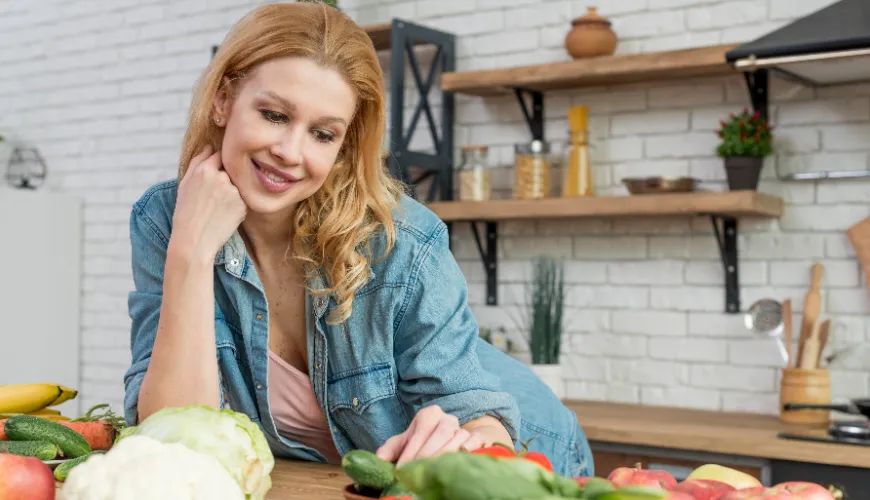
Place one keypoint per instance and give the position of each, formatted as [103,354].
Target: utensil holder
[807,386]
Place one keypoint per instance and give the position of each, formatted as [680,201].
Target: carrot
[99,434]
[2,432]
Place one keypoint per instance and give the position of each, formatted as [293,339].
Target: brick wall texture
[102,88]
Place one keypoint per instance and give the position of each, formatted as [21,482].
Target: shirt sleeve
[148,249]
[435,344]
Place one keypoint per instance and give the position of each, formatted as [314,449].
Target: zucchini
[38,449]
[62,470]
[367,470]
[397,489]
[30,428]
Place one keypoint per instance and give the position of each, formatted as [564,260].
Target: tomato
[496,450]
[539,458]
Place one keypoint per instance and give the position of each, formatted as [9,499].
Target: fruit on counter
[738,479]
[638,476]
[143,468]
[67,393]
[39,449]
[368,471]
[504,451]
[30,428]
[643,493]
[25,398]
[791,490]
[25,478]
[704,489]
[237,443]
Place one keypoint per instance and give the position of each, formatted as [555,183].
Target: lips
[274,173]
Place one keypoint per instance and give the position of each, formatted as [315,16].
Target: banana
[26,398]
[45,412]
[65,396]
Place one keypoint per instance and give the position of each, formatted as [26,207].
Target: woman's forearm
[183,368]
[490,429]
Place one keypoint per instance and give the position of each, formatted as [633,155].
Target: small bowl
[653,185]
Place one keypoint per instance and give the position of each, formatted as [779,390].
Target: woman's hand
[432,432]
[209,208]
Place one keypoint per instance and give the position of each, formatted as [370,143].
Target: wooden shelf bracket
[726,239]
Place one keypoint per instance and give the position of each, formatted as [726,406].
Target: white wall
[102,89]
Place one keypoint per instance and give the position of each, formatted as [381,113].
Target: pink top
[295,410]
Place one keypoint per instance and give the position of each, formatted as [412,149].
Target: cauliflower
[143,468]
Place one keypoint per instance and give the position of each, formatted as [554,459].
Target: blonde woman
[285,275]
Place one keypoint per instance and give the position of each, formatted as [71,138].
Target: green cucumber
[39,449]
[62,470]
[397,489]
[30,428]
[368,470]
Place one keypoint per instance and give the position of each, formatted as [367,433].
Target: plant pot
[551,374]
[743,172]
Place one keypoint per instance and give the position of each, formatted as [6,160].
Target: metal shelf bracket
[535,116]
[726,239]
[757,82]
[489,258]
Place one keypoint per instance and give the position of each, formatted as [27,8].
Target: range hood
[829,46]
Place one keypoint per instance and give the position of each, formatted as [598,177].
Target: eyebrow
[292,107]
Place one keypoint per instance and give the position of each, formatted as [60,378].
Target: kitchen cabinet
[40,252]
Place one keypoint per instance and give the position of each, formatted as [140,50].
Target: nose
[289,147]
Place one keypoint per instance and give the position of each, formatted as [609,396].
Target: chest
[285,296]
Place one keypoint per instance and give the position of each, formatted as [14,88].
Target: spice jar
[532,170]
[578,171]
[474,174]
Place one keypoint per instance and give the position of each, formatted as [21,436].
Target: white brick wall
[102,88]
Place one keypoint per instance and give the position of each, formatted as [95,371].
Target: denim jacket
[411,341]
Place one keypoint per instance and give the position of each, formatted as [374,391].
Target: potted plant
[745,140]
[546,299]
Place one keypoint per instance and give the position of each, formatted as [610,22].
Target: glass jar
[474,174]
[532,171]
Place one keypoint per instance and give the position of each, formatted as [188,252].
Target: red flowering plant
[745,134]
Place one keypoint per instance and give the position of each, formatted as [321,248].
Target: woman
[285,275]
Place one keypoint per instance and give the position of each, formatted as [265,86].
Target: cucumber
[39,449]
[62,470]
[367,470]
[397,489]
[30,428]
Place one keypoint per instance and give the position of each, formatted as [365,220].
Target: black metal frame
[404,35]
[758,85]
[726,238]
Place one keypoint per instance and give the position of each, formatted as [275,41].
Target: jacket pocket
[235,391]
[364,404]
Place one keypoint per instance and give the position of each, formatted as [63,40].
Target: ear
[222,103]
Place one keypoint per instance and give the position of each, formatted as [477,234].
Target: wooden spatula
[823,340]
[787,333]
[812,306]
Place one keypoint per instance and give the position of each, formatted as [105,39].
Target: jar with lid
[474,174]
[532,170]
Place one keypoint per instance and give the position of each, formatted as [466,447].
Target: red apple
[791,490]
[704,489]
[25,478]
[582,480]
[636,476]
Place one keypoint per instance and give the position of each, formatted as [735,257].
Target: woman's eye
[273,116]
[323,136]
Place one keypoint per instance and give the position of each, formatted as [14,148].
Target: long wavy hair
[332,229]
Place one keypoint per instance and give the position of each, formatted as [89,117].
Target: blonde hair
[332,229]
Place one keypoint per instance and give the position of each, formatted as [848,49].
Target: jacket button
[259,317]
[259,387]
[355,402]
[234,262]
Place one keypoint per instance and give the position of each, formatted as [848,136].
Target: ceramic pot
[552,376]
[743,172]
[591,36]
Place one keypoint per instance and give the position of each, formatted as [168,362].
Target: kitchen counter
[293,480]
[726,433]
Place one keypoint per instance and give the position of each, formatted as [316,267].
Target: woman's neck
[268,235]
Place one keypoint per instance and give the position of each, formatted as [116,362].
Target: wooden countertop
[744,434]
[292,480]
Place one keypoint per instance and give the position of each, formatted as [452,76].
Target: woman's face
[283,131]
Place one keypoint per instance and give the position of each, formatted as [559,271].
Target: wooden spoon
[787,332]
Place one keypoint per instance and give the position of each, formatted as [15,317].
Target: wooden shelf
[618,69]
[730,203]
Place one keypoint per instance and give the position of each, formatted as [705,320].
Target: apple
[791,490]
[584,480]
[704,489]
[25,478]
[739,480]
[643,493]
[637,476]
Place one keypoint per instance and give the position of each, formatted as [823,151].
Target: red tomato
[539,458]
[495,451]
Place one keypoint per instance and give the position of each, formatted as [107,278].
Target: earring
[217,119]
